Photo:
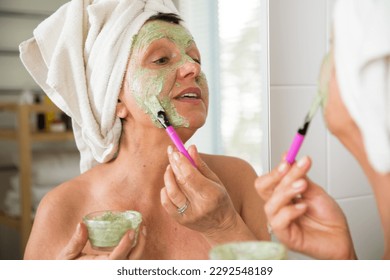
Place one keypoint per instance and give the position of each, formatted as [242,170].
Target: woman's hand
[130,247]
[302,215]
[197,199]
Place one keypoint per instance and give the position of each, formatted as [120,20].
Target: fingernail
[282,167]
[131,235]
[144,231]
[78,228]
[298,184]
[170,149]
[302,162]
[176,156]
[299,205]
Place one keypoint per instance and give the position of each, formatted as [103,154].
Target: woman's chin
[196,121]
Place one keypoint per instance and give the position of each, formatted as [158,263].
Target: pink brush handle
[294,148]
[179,145]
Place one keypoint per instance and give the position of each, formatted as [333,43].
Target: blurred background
[261,59]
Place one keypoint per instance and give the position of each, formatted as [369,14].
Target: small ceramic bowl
[249,250]
[106,228]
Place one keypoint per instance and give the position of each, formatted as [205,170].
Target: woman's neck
[142,158]
[380,183]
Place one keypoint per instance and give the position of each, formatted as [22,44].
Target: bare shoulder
[65,196]
[237,175]
[56,219]
[229,168]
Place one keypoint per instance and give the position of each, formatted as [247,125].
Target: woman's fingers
[291,186]
[173,191]
[131,246]
[265,185]
[283,197]
[137,251]
[170,207]
[284,204]
[286,215]
[182,169]
[201,165]
[189,179]
[123,249]
[298,170]
[76,244]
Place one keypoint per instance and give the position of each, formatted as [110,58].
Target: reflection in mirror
[233,42]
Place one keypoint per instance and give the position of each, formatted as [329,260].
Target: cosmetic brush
[300,135]
[161,116]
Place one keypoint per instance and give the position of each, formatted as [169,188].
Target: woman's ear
[121,110]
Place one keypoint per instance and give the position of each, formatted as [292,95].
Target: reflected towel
[362,60]
[79,56]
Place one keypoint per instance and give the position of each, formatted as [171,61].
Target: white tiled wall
[299,34]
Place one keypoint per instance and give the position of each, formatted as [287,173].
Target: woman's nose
[189,69]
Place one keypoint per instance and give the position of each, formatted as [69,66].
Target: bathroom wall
[299,35]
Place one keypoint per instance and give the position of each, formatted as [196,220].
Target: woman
[186,210]
[301,214]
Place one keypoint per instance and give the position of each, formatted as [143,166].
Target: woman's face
[165,63]
[336,115]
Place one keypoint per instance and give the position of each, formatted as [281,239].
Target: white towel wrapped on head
[79,56]
[362,61]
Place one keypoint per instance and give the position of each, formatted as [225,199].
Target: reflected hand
[124,250]
[302,215]
[202,198]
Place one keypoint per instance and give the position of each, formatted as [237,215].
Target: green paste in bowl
[106,228]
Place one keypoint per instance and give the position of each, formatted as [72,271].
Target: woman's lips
[191,93]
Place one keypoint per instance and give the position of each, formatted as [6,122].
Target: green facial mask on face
[145,83]
[324,78]
[321,97]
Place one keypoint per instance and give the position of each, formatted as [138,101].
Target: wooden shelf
[42,108]
[24,138]
[8,106]
[52,136]
[11,134]
[11,222]
[8,134]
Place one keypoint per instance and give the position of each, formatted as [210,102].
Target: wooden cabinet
[25,137]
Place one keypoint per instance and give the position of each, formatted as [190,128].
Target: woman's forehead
[157,29]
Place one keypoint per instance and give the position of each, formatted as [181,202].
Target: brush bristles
[162,118]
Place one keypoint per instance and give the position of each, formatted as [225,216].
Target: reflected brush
[300,135]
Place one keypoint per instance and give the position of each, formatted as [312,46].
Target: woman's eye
[197,60]
[161,61]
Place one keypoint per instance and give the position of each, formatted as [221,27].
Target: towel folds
[362,61]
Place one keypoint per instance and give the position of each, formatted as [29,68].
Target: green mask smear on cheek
[324,78]
[146,83]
